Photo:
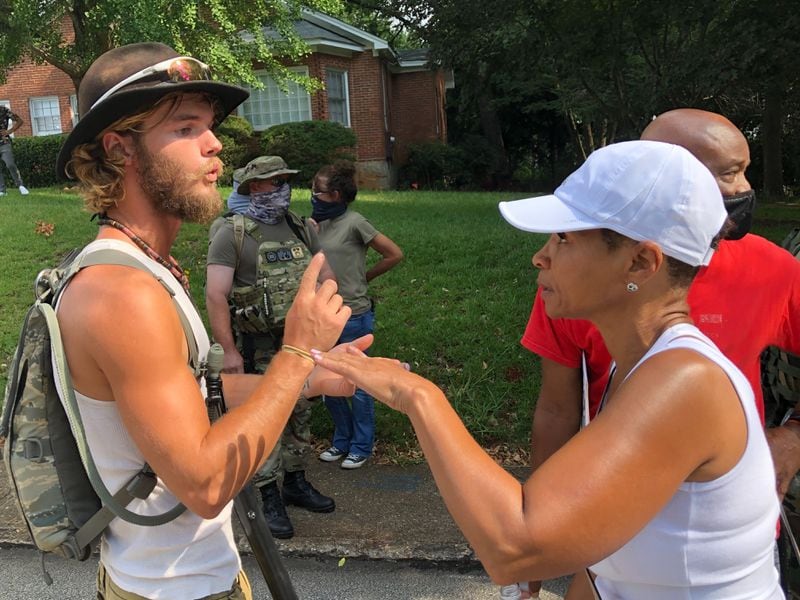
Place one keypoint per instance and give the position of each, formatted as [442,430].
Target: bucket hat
[127,79]
[641,189]
[263,167]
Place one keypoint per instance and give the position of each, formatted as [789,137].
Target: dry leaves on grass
[44,228]
[393,454]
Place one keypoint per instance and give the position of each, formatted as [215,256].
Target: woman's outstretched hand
[386,379]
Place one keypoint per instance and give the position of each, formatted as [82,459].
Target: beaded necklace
[170,264]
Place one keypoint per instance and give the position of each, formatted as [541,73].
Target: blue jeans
[354,428]
[7,156]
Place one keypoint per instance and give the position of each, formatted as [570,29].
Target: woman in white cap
[670,492]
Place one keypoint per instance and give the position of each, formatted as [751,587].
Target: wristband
[299,352]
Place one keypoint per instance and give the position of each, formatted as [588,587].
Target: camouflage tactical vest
[261,308]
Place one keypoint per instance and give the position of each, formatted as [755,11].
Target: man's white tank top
[189,557]
[713,539]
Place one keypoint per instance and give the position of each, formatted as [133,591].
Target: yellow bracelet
[299,351]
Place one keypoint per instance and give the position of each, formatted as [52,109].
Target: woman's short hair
[341,176]
[680,273]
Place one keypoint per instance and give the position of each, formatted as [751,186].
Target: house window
[272,106]
[338,97]
[73,109]
[45,115]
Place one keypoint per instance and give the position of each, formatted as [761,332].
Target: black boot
[299,492]
[275,512]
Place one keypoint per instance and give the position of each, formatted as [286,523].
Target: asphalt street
[313,578]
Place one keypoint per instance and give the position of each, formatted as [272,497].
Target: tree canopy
[551,80]
[227,34]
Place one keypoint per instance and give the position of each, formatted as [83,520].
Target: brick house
[389,98]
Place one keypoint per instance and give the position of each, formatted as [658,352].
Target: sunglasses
[178,69]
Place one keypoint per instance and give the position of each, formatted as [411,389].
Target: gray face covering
[270,207]
[740,210]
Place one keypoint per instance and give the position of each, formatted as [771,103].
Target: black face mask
[740,210]
[322,211]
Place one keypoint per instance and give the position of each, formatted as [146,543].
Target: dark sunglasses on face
[178,69]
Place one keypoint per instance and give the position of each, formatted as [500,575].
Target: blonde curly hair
[99,173]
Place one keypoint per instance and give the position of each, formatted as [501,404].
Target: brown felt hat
[151,74]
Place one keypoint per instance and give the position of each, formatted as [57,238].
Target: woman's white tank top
[714,539]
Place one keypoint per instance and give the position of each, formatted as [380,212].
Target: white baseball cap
[641,189]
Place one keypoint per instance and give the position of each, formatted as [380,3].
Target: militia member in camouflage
[255,263]
[145,154]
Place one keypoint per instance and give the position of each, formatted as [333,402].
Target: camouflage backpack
[262,308]
[57,487]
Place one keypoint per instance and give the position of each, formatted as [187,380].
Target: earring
[632,287]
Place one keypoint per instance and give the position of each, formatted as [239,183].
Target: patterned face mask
[270,207]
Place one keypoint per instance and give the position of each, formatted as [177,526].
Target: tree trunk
[773,120]
[490,125]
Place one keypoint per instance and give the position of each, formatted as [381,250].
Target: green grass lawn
[455,308]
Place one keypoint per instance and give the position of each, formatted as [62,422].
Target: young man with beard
[254,262]
[747,299]
[146,157]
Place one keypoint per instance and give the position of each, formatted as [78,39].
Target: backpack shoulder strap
[63,384]
[242,225]
[110,256]
[298,226]
[143,482]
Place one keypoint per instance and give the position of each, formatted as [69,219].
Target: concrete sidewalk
[382,512]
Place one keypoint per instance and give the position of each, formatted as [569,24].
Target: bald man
[747,299]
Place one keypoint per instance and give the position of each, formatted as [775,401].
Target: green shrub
[309,145]
[239,145]
[232,156]
[236,127]
[36,159]
[434,166]
[482,164]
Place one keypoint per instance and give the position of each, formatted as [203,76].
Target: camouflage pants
[294,447]
[108,590]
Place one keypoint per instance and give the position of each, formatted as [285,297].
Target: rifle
[245,505]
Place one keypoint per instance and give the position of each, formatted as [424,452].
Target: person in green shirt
[345,236]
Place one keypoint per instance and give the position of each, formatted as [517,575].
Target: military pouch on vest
[262,308]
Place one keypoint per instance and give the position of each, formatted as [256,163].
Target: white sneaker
[353,461]
[2,193]
[332,454]
[23,190]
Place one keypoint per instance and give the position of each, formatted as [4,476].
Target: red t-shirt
[747,299]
